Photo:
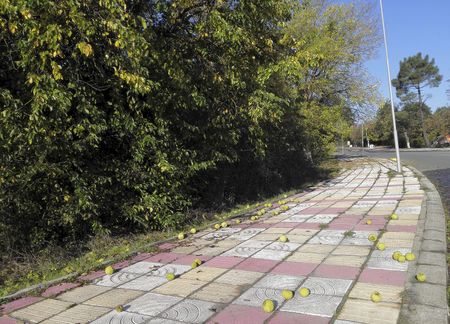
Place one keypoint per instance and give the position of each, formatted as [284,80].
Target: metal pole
[397,151]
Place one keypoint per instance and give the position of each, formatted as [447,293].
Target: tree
[417,73]
[439,123]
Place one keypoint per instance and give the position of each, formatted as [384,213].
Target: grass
[22,270]
[323,226]
[349,234]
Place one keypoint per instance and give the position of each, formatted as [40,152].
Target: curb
[427,302]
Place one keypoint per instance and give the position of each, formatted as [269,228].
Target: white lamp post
[397,151]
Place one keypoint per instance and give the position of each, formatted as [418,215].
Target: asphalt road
[434,164]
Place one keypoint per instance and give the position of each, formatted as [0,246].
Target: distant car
[442,141]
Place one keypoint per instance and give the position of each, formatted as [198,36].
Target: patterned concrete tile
[218,292]
[240,314]
[78,314]
[191,311]
[145,283]
[345,260]
[157,320]
[324,219]
[256,296]
[363,311]
[246,234]
[275,281]
[383,260]
[269,254]
[280,246]
[241,251]
[41,310]
[239,277]
[142,267]
[80,294]
[222,233]
[327,286]
[325,240]
[389,294]
[122,318]
[114,297]
[176,269]
[151,304]
[180,287]
[115,279]
[306,257]
[319,305]
[293,318]
[203,273]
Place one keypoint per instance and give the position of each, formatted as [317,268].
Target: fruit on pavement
[372,237]
[401,258]
[304,292]
[217,226]
[375,297]
[224,224]
[394,216]
[381,246]
[395,255]
[283,238]
[421,277]
[268,306]
[170,276]
[287,294]
[119,308]
[109,270]
[198,261]
[181,236]
[410,256]
[369,222]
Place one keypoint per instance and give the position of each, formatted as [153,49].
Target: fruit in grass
[109,270]
[401,258]
[253,218]
[369,222]
[375,297]
[224,224]
[304,292]
[170,276]
[193,230]
[217,226]
[287,294]
[421,277]
[395,255]
[268,306]
[372,237]
[410,256]
[181,236]
[283,238]
[237,221]
[381,246]
[394,216]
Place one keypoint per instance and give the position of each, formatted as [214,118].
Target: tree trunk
[407,140]
[424,131]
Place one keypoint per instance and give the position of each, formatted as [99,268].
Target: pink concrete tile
[18,303]
[293,318]
[285,224]
[340,226]
[258,265]
[239,314]
[226,262]
[165,257]
[373,227]
[7,320]
[402,228]
[188,259]
[386,277]
[242,225]
[91,275]
[141,257]
[312,211]
[121,265]
[333,210]
[336,272]
[260,225]
[308,225]
[57,289]
[167,246]
[294,268]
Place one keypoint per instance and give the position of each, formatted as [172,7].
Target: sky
[414,26]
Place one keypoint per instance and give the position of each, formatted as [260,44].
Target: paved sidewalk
[328,252]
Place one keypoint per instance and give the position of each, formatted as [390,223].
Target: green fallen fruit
[268,306]
[287,294]
[375,297]
[119,308]
[304,292]
[109,270]
[170,276]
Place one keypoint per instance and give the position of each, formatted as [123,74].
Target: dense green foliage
[123,115]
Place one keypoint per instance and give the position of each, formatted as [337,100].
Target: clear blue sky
[415,26]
